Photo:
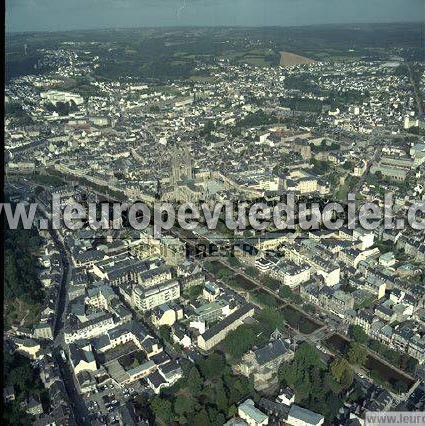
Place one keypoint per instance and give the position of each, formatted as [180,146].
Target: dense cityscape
[214,326]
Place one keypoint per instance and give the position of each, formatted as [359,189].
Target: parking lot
[104,403]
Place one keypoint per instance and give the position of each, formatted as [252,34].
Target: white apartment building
[149,298]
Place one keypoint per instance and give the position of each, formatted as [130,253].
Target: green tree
[165,332]
[231,412]
[220,420]
[212,414]
[208,128]
[358,334]
[357,354]
[307,356]
[183,405]
[213,366]
[238,387]
[201,418]
[194,381]
[287,293]
[220,397]
[162,409]
[270,319]
[237,342]
[331,384]
[342,372]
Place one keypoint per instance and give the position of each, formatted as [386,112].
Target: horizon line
[110,28]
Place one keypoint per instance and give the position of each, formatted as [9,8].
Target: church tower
[181,162]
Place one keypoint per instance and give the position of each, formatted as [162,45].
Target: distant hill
[288,59]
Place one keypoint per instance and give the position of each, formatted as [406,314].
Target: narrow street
[78,406]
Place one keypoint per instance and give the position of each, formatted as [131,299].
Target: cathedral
[184,185]
[181,163]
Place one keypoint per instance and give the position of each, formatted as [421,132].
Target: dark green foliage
[207,396]
[194,381]
[162,409]
[357,354]
[300,104]
[271,283]
[62,108]
[342,372]
[193,293]
[314,385]
[287,293]
[246,336]
[17,372]
[402,361]
[239,341]
[264,299]
[256,119]
[341,99]
[165,332]
[207,129]
[20,275]
[16,114]
[212,365]
[298,320]
[320,167]
[358,334]
[47,180]
[301,82]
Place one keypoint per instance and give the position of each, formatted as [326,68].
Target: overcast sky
[52,15]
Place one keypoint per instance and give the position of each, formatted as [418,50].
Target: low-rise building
[215,334]
[299,416]
[252,415]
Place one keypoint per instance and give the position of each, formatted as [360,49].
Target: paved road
[78,406]
[66,277]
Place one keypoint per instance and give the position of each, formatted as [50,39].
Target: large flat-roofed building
[307,185]
[390,172]
[210,312]
[134,332]
[320,260]
[215,334]
[151,297]
[171,249]
[44,330]
[337,301]
[55,96]
[402,162]
[81,358]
